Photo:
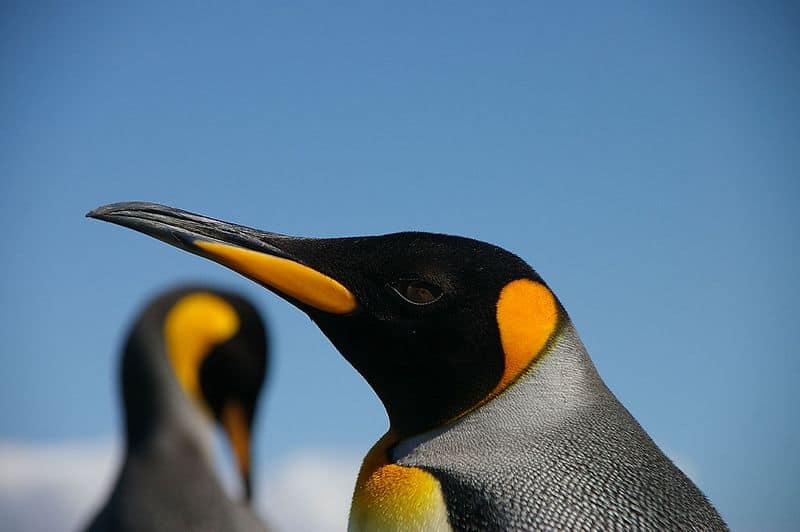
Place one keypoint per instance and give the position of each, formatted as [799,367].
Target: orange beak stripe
[300,282]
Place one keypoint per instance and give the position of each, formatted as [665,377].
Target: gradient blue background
[644,158]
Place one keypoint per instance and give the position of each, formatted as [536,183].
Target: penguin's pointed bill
[255,254]
[237,427]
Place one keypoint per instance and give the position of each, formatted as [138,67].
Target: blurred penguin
[195,356]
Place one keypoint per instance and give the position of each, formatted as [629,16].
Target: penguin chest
[391,497]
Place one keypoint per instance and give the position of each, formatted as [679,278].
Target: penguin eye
[417,292]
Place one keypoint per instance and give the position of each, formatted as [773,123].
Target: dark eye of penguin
[417,292]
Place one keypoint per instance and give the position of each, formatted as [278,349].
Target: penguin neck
[158,414]
[562,376]
[561,380]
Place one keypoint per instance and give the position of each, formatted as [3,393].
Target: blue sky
[645,159]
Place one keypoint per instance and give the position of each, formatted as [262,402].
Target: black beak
[182,229]
[258,255]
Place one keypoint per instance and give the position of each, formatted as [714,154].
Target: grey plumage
[170,486]
[557,451]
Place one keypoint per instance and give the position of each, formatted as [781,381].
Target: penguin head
[215,346]
[436,324]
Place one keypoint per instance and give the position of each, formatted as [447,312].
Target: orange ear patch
[193,326]
[527,315]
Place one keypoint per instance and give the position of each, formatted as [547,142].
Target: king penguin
[498,419]
[194,356]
